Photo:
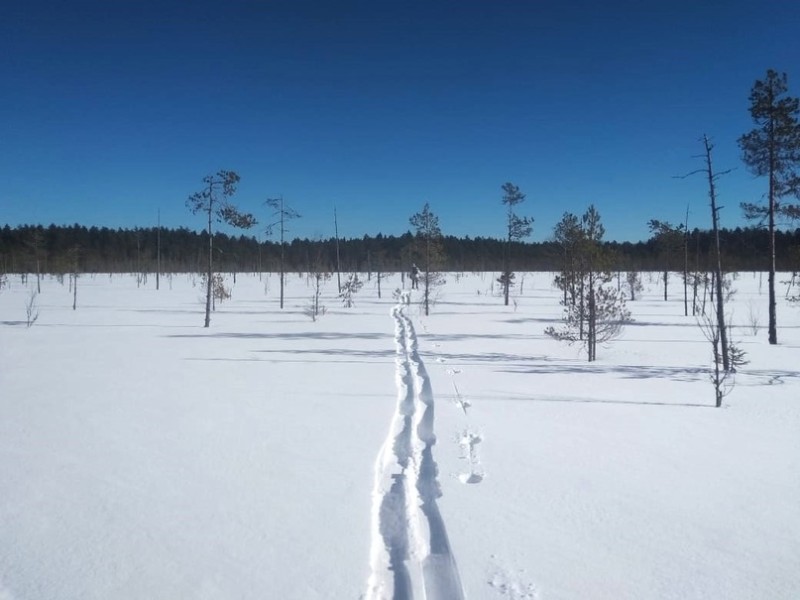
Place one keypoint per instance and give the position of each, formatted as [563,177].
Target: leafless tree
[712,177]
[281,213]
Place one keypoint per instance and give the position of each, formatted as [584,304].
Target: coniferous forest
[53,249]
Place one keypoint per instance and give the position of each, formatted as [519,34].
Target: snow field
[143,456]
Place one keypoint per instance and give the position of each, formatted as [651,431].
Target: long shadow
[310,335]
[523,320]
[494,357]
[299,361]
[460,337]
[685,374]
[167,311]
[624,371]
[638,323]
[600,401]
[333,352]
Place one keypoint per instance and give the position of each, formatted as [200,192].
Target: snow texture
[143,456]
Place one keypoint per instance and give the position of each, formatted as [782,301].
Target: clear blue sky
[113,110]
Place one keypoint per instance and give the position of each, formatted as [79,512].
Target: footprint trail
[410,554]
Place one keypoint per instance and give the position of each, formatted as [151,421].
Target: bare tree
[158,251]
[74,254]
[213,201]
[281,213]
[36,244]
[721,377]
[338,261]
[712,177]
[31,308]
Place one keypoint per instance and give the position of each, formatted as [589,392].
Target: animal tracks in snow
[511,583]
[410,553]
[469,440]
[515,590]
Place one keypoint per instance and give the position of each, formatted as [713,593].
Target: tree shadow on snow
[574,400]
[309,335]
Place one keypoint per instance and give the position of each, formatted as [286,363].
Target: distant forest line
[53,249]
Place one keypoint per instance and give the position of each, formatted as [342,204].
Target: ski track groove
[410,554]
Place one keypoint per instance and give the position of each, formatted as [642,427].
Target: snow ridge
[410,552]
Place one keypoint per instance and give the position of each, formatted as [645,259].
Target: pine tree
[428,248]
[669,238]
[567,234]
[772,149]
[349,289]
[518,228]
[596,313]
[213,200]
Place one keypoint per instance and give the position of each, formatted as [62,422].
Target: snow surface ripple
[410,552]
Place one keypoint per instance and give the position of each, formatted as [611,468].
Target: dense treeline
[181,250]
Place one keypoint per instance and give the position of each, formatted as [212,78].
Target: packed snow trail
[410,554]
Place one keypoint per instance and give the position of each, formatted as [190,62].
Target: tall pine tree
[772,149]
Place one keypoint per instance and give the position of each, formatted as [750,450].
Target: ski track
[410,555]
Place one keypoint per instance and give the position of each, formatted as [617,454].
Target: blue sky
[113,111]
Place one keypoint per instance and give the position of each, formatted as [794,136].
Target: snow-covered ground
[380,452]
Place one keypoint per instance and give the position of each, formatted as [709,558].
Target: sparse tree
[31,308]
[377,261]
[281,213]
[219,291]
[319,275]
[350,288]
[213,201]
[74,255]
[567,234]
[36,244]
[772,149]
[634,281]
[428,247]
[517,229]
[598,314]
[721,377]
[669,238]
[712,178]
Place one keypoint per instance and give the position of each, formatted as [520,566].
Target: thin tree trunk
[773,319]
[723,334]
[507,261]
[282,251]
[686,264]
[209,270]
[158,251]
[338,264]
